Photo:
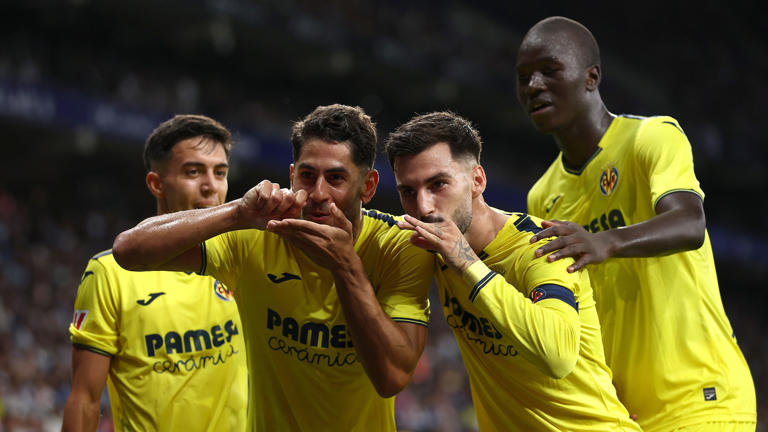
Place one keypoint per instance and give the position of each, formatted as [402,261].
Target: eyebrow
[439,175]
[338,169]
[201,164]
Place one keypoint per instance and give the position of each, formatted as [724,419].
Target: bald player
[622,196]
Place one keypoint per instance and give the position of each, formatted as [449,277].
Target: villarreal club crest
[608,180]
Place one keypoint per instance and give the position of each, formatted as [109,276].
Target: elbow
[124,254]
[392,384]
[561,366]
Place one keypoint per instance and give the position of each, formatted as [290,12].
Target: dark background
[82,83]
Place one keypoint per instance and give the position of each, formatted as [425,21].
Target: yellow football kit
[667,339]
[530,339]
[304,370]
[175,343]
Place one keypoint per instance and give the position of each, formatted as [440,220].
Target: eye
[221,173]
[193,171]
[523,78]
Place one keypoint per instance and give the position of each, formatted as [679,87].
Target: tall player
[334,305]
[527,329]
[628,186]
[168,345]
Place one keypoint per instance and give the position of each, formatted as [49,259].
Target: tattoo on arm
[462,251]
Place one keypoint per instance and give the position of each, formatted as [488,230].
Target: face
[328,174]
[434,187]
[195,176]
[550,81]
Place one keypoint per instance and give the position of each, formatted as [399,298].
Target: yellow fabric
[305,374]
[513,348]
[665,332]
[177,361]
[719,427]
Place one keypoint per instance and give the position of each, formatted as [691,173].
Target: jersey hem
[693,191]
[411,321]
[92,349]
[695,419]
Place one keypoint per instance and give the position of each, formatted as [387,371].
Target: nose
[319,191]
[424,203]
[210,184]
[535,83]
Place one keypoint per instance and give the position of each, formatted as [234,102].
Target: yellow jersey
[667,339]
[529,336]
[175,343]
[304,370]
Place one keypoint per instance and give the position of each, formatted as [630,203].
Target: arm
[678,226]
[388,351]
[89,376]
[171,241]
[547,331]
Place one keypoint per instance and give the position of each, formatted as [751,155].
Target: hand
[572,241]
[330,246]
[443,237]
[266,201]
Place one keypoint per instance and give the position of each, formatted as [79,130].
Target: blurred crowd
[256,66]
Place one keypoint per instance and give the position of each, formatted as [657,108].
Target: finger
[339,219]
[573,250]
[580,263]
[286,202]
[413,221]
[551,246]
[405,225]
[544,234]
[550,223]
[418,240]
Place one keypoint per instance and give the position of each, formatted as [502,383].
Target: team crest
[79,318]
[222,292]
[608,180]
[536,295]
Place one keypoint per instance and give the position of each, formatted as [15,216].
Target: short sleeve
[222,258]
[403,291]
[664,153]
[95,320]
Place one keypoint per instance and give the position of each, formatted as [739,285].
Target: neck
[579,141]
[486,224]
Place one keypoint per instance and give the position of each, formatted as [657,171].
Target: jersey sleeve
[663,152]
[223,257]
[403,292]
[95,320]
[541,314]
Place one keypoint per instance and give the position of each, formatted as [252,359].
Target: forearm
[81,413]
[666,233]
[546,333]
[158,240]
[387,352]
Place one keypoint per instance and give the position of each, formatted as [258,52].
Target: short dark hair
[338,123]
[158,146]
[426,130]
[577,33]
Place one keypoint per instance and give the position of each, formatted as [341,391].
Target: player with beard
[334,304]
[527,329]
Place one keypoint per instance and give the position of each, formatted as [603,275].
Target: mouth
[206,204]
[539,107]
[317,216]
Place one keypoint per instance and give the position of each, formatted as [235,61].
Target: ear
[154,184]
[290,173]
[369,186]
[479,181]
[594,75]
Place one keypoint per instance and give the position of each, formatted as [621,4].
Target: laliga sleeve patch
[552,291]
[79,318]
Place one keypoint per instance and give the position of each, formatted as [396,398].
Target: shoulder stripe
[553,291]
[633,117]
[92,349]
[101,254]
[389,219]
[411,321]
[483,255]
[525,223]
[480,285]
[204,254]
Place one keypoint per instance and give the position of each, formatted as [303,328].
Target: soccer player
[169,345]
[527,329]
[627,187]
[334,304]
